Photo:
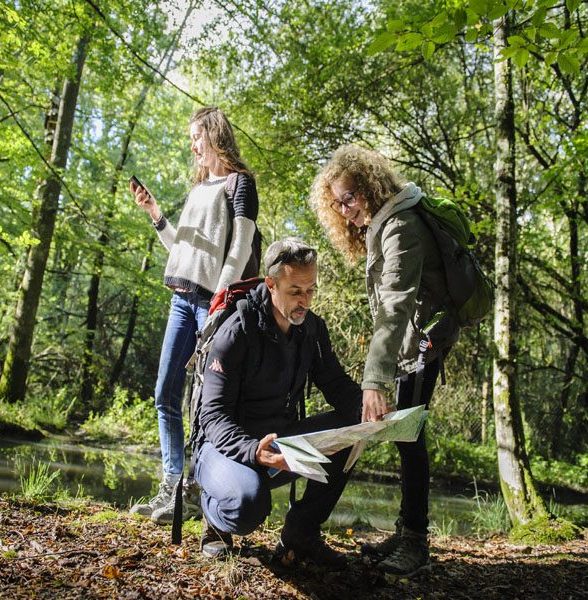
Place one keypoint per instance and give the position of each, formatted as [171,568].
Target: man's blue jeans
[236,498]
[187,315]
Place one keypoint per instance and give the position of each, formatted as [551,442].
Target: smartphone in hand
[137,182]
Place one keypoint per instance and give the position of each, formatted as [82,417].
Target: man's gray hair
[289,251]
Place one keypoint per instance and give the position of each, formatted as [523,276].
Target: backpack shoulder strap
[231,185]
[249,318]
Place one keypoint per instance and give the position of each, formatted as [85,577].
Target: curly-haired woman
[366,207]
[208,250]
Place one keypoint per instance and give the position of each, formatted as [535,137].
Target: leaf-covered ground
[95,552]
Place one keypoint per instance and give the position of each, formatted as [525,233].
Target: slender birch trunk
[516,481]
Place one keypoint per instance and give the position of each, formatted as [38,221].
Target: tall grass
[37,482]
[491,514]
[444,529]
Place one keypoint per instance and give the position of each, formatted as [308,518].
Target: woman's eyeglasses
[348,200]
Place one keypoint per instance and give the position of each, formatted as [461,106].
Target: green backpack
[470,290]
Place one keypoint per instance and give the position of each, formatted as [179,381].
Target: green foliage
[51,411]
[427,102]
[560,473]
[17,414]
[549,34]
[127,418]
[382,457]
[64,497]
[456,456]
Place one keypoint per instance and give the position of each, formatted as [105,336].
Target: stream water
[120,477]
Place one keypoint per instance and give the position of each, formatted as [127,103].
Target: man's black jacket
[250,391]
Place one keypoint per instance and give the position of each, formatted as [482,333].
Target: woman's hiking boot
[162,498]
[295,545]
[164,515]
[385,547]
[410,557]
[215,543]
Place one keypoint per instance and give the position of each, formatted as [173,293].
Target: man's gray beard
[297,321]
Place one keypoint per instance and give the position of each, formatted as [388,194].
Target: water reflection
[377,505]
[114,476]
[122,476]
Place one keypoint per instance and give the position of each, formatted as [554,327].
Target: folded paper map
[304,453]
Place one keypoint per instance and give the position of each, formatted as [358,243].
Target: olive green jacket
[405,281]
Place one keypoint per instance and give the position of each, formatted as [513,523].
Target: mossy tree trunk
[45,206]
[520,495]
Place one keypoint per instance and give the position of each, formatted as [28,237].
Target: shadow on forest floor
[92,551]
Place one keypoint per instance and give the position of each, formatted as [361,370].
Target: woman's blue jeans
[187,315]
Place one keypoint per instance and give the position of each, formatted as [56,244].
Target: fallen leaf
[111,572]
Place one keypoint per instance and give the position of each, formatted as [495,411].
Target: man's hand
[374,406]
[266,456]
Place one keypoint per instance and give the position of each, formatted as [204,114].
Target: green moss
[192,527]
[9,554]
[545,530]
[105,516]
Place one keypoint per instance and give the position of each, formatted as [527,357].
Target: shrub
[132,420]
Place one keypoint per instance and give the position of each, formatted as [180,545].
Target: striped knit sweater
[197,246]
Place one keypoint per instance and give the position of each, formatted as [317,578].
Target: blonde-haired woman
[208,250]
[365,207]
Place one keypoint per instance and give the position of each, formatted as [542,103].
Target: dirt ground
[95,552]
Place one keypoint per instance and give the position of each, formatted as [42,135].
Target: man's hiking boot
[164,515]
[163,498]
[387,546]
[294,546]
[410,557]
[215,543]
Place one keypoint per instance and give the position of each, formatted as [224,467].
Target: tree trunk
[572,212]
[120,361]
[17,362]
[516,481]
[87,387]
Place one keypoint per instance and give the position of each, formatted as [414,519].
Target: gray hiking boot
[215,543]
[385,547]
[160,500]
[410,557]
[164,515]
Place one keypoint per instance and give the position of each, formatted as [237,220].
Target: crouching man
[253,392]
